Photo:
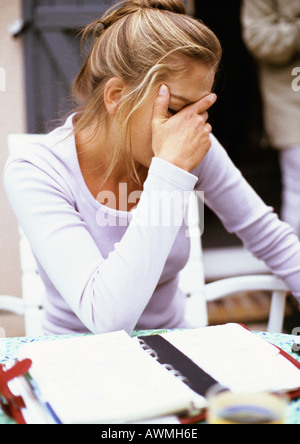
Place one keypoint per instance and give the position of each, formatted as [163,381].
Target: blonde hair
[141,42]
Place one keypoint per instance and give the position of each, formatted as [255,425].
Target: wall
[12,120]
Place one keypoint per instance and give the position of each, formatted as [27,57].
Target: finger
[205,116]
[208,128]
[202,118]
[204,104]
[161,105]
[204,126]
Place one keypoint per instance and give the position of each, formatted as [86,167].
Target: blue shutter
[53,55]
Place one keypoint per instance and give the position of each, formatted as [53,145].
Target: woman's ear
[114,90]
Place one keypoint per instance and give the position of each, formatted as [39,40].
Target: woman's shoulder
[51,152]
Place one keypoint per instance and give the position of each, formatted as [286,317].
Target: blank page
[237,358]
[104,379]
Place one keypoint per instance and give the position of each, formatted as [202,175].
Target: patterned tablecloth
[9,348]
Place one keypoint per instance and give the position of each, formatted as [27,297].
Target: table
[9,348]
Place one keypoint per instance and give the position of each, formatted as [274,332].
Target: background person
[271,30]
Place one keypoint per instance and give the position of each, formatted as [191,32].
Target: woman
[91,200]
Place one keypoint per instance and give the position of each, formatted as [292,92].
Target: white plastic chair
[30,305]
[192,281]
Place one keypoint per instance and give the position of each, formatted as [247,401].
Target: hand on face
[184,138]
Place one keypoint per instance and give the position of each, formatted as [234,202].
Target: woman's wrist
[173,174]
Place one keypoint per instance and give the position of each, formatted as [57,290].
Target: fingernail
[162,90]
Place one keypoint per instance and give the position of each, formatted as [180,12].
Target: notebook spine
[151,352]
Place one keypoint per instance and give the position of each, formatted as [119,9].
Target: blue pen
[45,405]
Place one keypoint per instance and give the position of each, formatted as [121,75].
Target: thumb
[161,105]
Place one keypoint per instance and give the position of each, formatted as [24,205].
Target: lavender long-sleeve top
[108,270]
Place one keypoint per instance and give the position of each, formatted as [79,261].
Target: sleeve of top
[270,37]
[243,212]
[105,294]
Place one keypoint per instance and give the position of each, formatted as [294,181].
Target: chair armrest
[226,287]
[12,304]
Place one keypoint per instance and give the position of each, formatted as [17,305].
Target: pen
[51,415]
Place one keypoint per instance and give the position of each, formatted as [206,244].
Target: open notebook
[113,378]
